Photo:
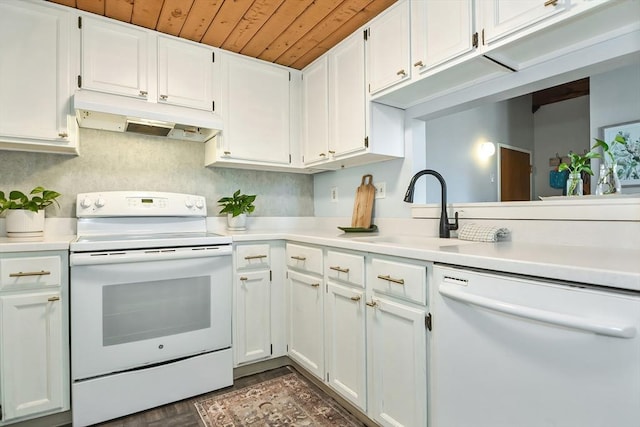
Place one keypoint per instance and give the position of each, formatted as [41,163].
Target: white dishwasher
[515,351]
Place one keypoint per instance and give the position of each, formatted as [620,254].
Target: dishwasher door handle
[611,329]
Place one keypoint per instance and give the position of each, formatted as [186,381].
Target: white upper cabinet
[347,97]
[503,17]
[388,54]
[315,111]
[256,112]
[441,30]
[126,60]
[115,57]
[185,74]
[36,71]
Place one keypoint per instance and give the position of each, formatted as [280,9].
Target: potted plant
[578,164]
[609,181]
[237,207]
[25,215]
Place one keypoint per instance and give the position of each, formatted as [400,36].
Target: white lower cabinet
[306,333]
[34,339]
[253,320]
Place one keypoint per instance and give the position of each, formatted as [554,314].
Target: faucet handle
[453,226]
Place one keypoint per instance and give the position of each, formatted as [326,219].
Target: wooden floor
[184,413]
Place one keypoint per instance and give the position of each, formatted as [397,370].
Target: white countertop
[611,267]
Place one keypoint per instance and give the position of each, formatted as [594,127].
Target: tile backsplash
[116,161]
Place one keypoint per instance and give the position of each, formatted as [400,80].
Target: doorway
[514,169]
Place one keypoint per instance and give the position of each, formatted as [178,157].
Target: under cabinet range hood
[117,113]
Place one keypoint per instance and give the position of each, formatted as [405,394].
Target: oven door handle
[148,255]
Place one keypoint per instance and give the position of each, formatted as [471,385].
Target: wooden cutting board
[363,205]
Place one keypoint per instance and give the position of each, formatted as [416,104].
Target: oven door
[141,307]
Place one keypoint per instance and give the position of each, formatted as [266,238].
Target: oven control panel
[137,203]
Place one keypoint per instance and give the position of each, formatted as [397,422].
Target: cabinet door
[388,48]
[114,57]
[185,74]
[31,354]
[34,71]
[253,316]
[503,17]
[347,96]
[315,110]
[397,364]
[256,110]
[441,30]
[306,339]
[345,341]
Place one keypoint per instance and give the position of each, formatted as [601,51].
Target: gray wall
[115,161]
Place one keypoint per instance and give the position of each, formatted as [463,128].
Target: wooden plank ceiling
[287,32]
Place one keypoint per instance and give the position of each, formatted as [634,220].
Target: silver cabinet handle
[372,304]
[244,278]
[391,279]
[419,64]
[143,93]
[551,3]
[322,155]
[30,273]
[164,97]
[63,134]
[299,258]
[52,299]
[332,151]
[255,257]
[356,298]
[341,270]
[315,285]
[401,73]
[227,153]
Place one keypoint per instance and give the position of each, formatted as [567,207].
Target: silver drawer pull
[299,258]
[30,273]
[391,279]
[255,257]
[372,304]
[401,73]
[551,3]
[63,135]
[341,270]
[419,64]
[52,299]
[357,298]
[315,285]
[227,153]
[244,278]
[143,93]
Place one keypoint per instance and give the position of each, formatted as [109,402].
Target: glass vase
[608,180]
[574,184]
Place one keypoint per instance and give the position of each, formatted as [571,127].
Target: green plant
[607,149]
[237,204]
[18,200]
[579,163]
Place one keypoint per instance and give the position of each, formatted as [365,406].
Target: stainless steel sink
[413,241]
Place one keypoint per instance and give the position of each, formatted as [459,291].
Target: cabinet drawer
[253,256]
[345,267]
[16,273]
[400,279]
[304,258]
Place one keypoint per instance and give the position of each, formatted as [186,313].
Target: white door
[441,30]
[34,70]
[315,110]
[256,110]
[503,17]
[115,58]
[185,74]
[31,354]
[345,341]
[253,316]
[388,48]
[347,96]
[397,364]
[306,337]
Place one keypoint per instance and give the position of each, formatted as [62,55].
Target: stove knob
[86,203]
[188,203]
[199,204]
[99,203]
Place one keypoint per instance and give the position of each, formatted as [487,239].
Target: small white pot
[24,224]
[237,223]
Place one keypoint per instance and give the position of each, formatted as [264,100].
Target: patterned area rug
[284,401]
